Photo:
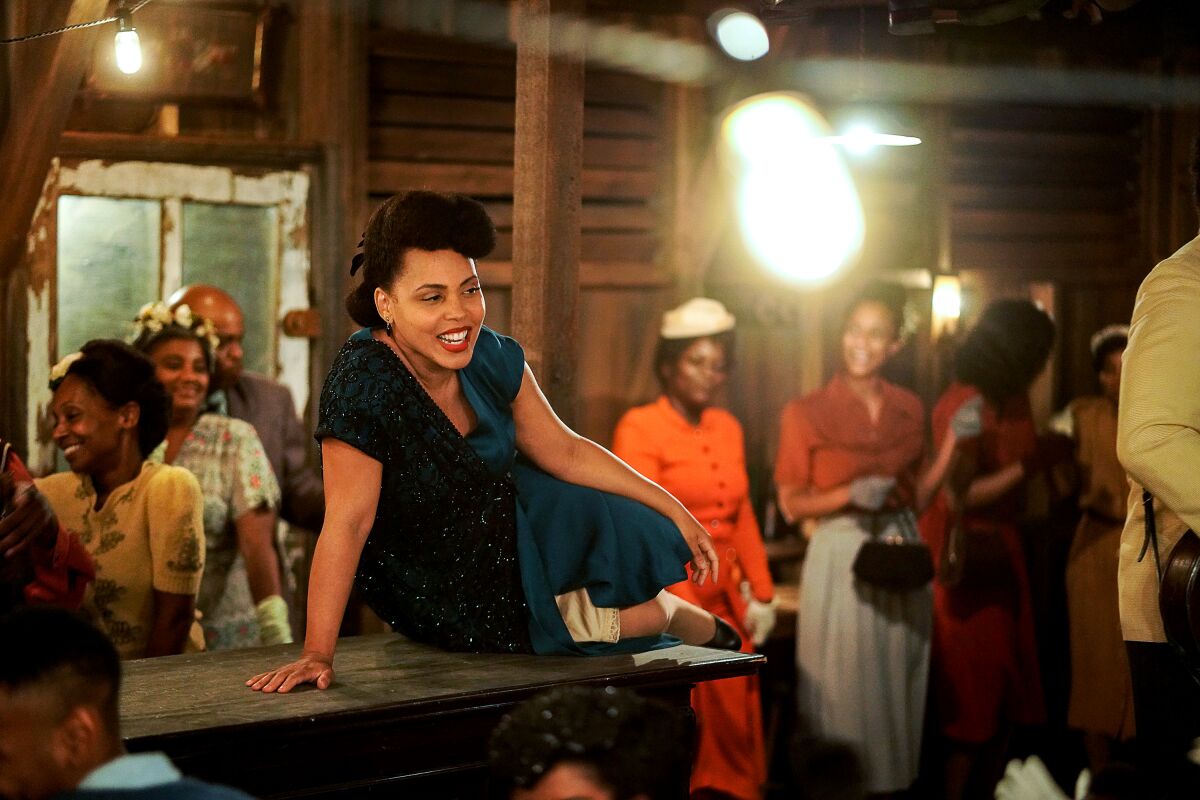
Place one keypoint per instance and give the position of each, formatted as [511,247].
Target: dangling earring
[389,328]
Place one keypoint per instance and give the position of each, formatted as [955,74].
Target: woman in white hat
[1101,702]
[695,452]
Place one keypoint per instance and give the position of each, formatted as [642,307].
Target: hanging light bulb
[127,47]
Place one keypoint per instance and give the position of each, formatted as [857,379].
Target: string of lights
[122,16]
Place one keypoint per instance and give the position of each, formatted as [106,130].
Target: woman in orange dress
[849,458]
[695,452]
[985,669]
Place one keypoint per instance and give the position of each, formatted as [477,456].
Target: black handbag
[896,563]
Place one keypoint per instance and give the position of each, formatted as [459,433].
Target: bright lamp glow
[797,206]
[742,36]
[128,48]
[947,303]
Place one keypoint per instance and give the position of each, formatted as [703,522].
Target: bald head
[216,305]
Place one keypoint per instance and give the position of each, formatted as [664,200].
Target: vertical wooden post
[548,162]
[41,79]
[691,244]
[332,111]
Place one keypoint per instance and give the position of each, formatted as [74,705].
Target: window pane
[108,257]
[235,247]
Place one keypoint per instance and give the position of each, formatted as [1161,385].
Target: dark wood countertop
[399,713]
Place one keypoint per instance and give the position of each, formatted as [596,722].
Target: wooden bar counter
[401,719]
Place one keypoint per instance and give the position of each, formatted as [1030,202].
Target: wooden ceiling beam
[40,80]
[43,77]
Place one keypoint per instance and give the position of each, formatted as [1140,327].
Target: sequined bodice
[440,564]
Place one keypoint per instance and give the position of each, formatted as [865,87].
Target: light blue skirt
[862,654]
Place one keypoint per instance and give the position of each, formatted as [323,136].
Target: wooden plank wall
[1050,196]
[441,118]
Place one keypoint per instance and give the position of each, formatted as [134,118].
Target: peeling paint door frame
[171,185]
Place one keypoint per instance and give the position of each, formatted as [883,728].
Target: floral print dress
[227,458]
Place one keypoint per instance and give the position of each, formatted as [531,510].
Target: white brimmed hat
[700,316]
[1100,337]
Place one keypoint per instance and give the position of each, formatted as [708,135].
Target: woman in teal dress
[466,513]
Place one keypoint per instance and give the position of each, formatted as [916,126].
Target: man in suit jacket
[1158,443]
[264,403]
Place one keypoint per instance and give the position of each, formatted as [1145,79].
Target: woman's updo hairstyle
[120,374]
[889,295]
[419,220]
[1007,348]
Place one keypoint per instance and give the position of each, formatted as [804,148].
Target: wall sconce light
[947,304]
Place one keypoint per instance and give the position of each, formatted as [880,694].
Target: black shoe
[725,637]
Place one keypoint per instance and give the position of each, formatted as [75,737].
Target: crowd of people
[443,466]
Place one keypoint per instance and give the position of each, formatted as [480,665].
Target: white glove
[1028,780]
[272,615]
[760,617]
[870,492]
[967,422]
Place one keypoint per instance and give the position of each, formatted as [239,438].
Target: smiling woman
[465,512]
[240,597]
[848,459]
[140,520]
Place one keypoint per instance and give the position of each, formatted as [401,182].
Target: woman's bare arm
[352,481]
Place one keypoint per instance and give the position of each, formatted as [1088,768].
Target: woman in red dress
[985,675]
[695,452]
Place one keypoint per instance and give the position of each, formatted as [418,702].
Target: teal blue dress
[471,543]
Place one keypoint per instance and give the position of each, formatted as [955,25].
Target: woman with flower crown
[140,520]
[240,600]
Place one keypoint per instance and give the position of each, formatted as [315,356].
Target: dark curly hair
[1007,348]
[120,374]
[889,295]
[420,220]
[632,745]
[668,352]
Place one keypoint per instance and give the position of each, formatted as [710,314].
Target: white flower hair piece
[155,316]
[59,371]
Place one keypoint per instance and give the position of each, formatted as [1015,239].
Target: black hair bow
[359,257]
